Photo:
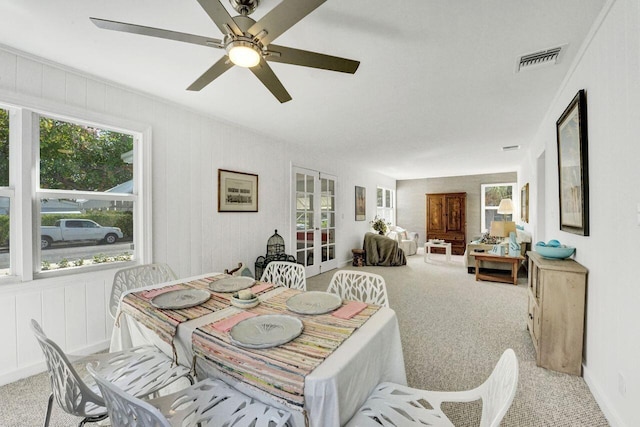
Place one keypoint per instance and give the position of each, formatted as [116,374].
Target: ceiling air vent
[510,147]
[535,60]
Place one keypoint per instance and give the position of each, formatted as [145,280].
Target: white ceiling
[436,93]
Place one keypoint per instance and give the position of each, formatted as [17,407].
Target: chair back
[124,409]
[69,390]
[283,273]
[499,390]
[137,277]
[360,286]
[209,402]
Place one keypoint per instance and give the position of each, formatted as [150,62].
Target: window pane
[83,232]
[489,215]
[494,194]
[304,201]
[4,237]
[4,148]
[379,197]
[77,157]
[299,182]
[387,198]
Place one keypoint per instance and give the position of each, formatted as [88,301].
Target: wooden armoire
[446,219]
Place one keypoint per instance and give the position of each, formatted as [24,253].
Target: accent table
[515,265]
[429,245]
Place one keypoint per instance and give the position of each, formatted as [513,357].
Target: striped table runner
[279,371]
[165,322]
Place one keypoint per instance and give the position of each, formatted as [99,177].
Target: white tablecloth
[333,391]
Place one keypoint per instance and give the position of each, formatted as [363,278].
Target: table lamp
[504,227]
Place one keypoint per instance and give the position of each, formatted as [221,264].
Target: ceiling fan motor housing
[247,40]
[244,7]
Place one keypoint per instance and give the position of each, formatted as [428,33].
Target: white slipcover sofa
[407,241]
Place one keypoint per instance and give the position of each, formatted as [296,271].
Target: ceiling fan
[247,42]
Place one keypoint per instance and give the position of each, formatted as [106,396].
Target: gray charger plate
[232,284]
[269,330]
[182,298]
[313,302]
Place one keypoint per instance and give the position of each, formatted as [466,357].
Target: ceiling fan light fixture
[243,54]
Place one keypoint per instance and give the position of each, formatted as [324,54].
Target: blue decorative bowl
[561,252]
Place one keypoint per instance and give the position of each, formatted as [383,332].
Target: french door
[314,210]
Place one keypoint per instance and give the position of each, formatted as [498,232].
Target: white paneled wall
[71,310]
[609,71]
[188,233]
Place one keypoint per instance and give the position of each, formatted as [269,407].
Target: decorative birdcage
[275,244]
[275,252]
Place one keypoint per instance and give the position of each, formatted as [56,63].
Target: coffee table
[429,245]
[515,265]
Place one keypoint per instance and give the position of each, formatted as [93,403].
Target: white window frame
[25,194]
[384,211]
[483,208]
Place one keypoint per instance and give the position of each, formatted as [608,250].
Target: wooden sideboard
[557,290]
[446,219]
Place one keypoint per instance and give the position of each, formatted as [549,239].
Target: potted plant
[380,225]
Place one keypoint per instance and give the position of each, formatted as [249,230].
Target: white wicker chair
[283,273]
[208,402]
[361,286]
[137,277]
[140,371]
[395,405]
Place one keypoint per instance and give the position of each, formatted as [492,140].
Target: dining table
[322,377]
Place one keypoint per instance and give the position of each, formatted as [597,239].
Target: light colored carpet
[453,329]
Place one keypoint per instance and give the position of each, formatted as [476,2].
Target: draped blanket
[382,250]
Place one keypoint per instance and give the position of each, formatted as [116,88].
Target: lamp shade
[505,207]
[502,228]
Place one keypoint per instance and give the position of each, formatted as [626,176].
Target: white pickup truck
[67,230]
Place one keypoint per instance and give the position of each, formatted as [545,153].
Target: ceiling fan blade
[220,16]
[306,58]
[216,70]
[268,78]
[156,32]
[282,17]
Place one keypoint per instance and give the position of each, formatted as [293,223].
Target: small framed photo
[237,191]
[573,164]
[361,203]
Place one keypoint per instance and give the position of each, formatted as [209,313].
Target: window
[490,196]
[88,184]
[386,205]
[83,203]
[6,195]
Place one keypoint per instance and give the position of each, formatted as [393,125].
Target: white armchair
[407,240]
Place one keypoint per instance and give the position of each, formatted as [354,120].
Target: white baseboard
[36,368]
[605,405]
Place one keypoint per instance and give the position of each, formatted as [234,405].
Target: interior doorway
[314,210]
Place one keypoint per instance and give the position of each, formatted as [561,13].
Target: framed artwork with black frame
[237,191]
[573,163]
[361,203]
[524,203]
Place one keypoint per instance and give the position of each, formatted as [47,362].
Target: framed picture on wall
[524,203]
[361,203]
[573,176]
[237,191]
